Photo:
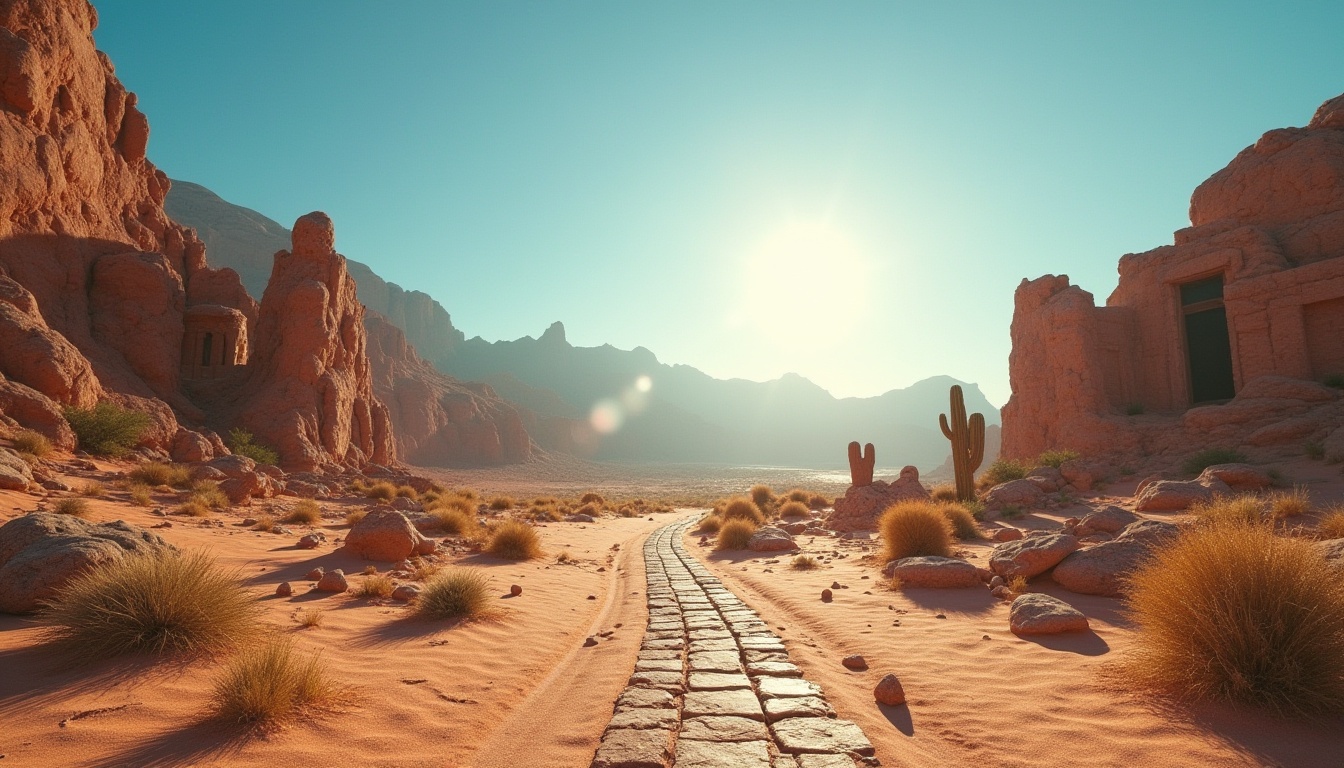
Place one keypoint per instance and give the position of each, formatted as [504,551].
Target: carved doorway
[1208,349]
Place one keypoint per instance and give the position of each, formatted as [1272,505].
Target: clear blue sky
[851,191]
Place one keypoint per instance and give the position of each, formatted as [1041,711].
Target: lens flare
[643,384]
[606,417]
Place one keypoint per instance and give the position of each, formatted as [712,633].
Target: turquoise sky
[851,191]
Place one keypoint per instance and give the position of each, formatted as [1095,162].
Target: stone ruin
[1232,336]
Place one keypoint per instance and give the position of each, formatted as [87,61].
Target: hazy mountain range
[685,416]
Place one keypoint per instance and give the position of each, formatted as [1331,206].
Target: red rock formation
[1264,252]
[440,421]
[309,393]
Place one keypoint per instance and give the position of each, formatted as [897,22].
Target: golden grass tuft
[501,503]
[407,492]
[270,684]
[818,502]
[963,522]
[92,489]
[207,493]
[72,506]
[793,509]
[735,534]
[1018,585]
[1290,503]
[743,508]
[265,523]
[710,523]
[194,509]
[382,491]
[35,443]
[156,473]
[453,521]
[353,517]
[799,495]
[310,618]
[514,540]
[1331,524]
[423,570]
[592,497]
[1232,612]
[455,593]
[306,512]
[158,603]
[1224,509]
[804,563]
[913,529]
[944,492]
[762,495]
[378,585]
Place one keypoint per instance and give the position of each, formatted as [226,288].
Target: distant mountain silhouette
[687,415]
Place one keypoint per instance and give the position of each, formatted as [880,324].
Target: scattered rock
[406,593]
[284,589]
[1150,531]
[1238,477]
[1038,614]
[1007,534]
[1100,570]
[1178,495]
[15,474]
[333,581]
[314,574]
[589,642]
[855,662]
[889,691]
[581,518]
[515,590]
[861,506]
[932,571]
[1014,493]
[768,538]
[386,535]
[1333,549]
[1108,519]
[1032,555]
[309,541]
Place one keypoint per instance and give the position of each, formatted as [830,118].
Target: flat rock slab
[663,645]
[786,687]
[723,729]
[1032,555]
[668,681]
[739,703]
[713,645]
[715,661]
[658,665]
[773,669]
[805,706]
[1037,614]
[824,761]
[652,655]
[644,719]
[645,697]
[933,572]
[709,754]
[634,749]
[798,735]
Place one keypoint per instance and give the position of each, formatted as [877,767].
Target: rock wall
[1115,379]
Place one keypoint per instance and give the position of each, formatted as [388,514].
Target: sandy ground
[521,689]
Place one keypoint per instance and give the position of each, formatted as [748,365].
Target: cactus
[968,444]
[861,464]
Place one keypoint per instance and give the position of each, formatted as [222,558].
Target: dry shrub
[514,540]
[743,508]
[264,523]
[72,506]
[735,534]
[564,557]
[92,489]
[804,563]
[1206,458]
[470,494]
[370,570]
[1055,458]
[156,473]
[452,502]
[407,492]
[501,503]
[378,585]
[270,684]
[589,509]
[194,509]
[306,512]
[310,618]
[915,528]
[453,521]
[454,593]
[353,517]
[710,523]
[818,502]
[421,570]
[383,491]
[799,495]
[794,509]
[208,494]
[1290,503]
[35,443]
[1018,585]
[1231,612]
[546,514]
[141,495]
[1229,509]
[762,495]
[1331,525]
[963,522]
[156,603]
[944,492]
[592,497]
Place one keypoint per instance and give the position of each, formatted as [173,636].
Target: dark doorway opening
[1208,348]
[206,344]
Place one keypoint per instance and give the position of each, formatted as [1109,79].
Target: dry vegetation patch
[735,534]
[30,442]
[306,512]
[962,521]
[1331,525]
[270,684]
[376,585]
[72,506]
[155,473]
[455,593]
[915,528]
[514,540]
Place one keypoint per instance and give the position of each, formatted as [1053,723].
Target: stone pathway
[713,686]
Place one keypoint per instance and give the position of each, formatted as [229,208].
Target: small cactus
[968,444]
[861,464]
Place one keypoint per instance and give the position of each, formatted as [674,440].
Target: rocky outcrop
[861,506]
[388,536]
[41,552]
[439,421]
[1118,380]
[309,393]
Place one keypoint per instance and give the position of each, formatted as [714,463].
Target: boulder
[1178,495]
[1006,534]
[309,541]
[1238,477]
[41,551]
[768,538]
[1333,445]
[15,474]
[284,589]
[793,529]
[385,535]
[1108,519]
[1048,479]
[1333,549]
[933,571]
[1151,532]
[406,592]
[1014,493]
[1077,474]
[1101,570]
[889,691]
[861,506]
[1032,555]
[580,518]
[333,581]
[189,447]
[1037,614]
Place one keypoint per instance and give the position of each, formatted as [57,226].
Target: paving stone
[648,655]
[664,635]
[697,646]
[645,697]
[662,645]
[710,634]
[715,661]
[717,681]
[668,681]
[784,761]
[804,706]
[629,748]
[645,719]
[773,669]
[797,735]
[709,754]
[739,703]
[752,656]
[658,665]
[761,644]
[786,687]
[722,729]
[824,761]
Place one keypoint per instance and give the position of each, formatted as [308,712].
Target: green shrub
[1134,409]
[914,529]
[1208,457]
[1055,458]
[35,443]
[107,429]
[242,443]
[1002,471]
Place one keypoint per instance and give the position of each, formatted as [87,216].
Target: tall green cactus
[968,444]
[861,464]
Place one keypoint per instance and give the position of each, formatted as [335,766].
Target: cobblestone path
[713,686]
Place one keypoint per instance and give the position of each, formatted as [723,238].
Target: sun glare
[805,283]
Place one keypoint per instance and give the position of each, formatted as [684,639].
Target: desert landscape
[261,506]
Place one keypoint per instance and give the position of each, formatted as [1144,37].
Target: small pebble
[855,662]
[515,590]
[590,642]
[889,691]
[592,597]
[284,589]
[825,595]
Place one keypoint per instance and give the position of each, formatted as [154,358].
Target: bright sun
[805,284]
